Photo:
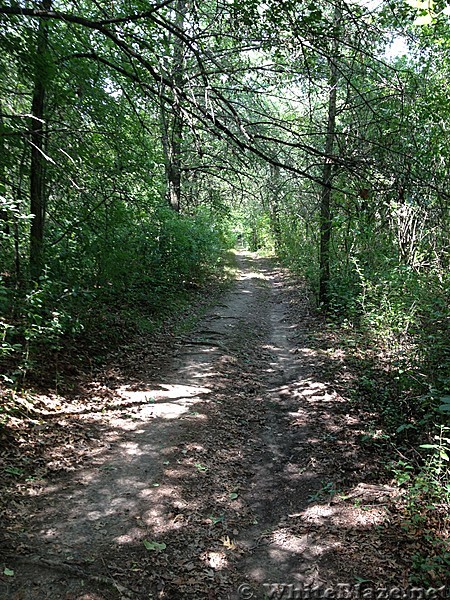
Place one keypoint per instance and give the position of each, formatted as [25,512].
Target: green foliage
[254,229]
[33,319]
[327,490]
[299,248]
[431,482]
[428,491]
[144,263]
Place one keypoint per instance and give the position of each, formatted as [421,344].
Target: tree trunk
[274,204]
[37,168]
[172,125]
[4,221]
[327,173]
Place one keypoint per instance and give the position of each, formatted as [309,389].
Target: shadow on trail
[248,472]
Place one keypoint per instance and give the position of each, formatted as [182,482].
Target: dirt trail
[239,460]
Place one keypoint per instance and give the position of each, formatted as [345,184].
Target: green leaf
[8,572]
[13,471]
[159,547]
[405,426]
[233,496]
[216,520]
[200,467]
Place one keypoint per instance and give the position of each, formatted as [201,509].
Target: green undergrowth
[54,326]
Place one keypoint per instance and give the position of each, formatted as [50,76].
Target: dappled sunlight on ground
[344,516]
[172,391]
[157,405]
[241,460]
[254,275]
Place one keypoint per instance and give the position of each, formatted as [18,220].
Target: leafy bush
[143,266]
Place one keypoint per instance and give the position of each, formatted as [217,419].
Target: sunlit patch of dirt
[345,516]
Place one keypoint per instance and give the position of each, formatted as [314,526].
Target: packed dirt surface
[234,466]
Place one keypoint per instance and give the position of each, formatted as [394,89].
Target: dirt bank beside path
[236,466]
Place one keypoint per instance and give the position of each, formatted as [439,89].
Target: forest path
[234,467]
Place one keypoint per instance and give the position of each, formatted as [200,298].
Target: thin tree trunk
[172,126]
[274,204]
[37,168]
[327,173]
[3,212]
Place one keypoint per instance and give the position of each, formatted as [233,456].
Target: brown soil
[235,465]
